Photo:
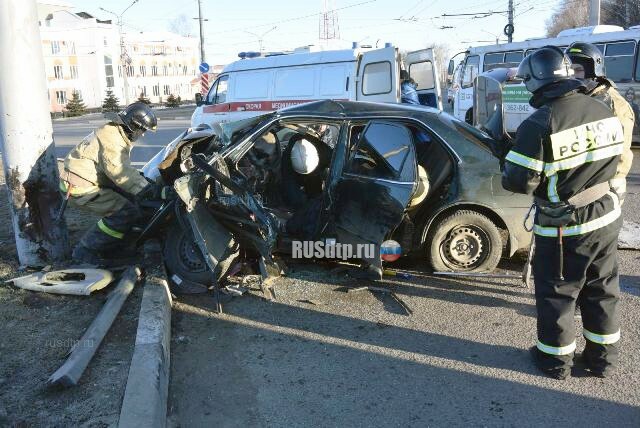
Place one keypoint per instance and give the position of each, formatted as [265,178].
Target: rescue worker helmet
[304,157]
[589,57]
[543,67]
[138,118]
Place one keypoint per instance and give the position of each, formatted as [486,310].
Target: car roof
[341,109]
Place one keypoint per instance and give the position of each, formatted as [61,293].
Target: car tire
[183,258]
[465,241]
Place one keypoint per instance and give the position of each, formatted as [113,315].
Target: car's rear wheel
[465,241]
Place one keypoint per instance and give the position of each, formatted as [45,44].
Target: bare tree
[569,14]
[181,25]
[441,55]
[575,13]
[624,13]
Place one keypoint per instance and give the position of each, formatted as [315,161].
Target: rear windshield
[468,132]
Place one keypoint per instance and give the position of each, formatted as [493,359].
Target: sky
[237,25]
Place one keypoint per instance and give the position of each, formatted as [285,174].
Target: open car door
[377,182]
[423,69]
[377,75]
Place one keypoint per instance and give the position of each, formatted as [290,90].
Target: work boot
[594,368]
[559,373]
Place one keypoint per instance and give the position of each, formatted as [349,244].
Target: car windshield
[233,131]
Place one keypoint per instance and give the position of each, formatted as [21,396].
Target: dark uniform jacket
[570,143]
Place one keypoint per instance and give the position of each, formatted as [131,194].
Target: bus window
[512,59]
[471,66]
[618,61]
[490,59]
[529,52]
[601,47]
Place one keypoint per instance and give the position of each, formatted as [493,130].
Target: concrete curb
[146,394]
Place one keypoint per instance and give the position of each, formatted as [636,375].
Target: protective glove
[619,186]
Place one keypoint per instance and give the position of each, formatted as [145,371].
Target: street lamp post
[261,36]
[123,50]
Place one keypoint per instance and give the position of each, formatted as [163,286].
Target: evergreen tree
[75,106]
[172,101]
[144,99]
[111,102]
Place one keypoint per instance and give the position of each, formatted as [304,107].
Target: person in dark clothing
[588,64]
[564,154]
[408,89]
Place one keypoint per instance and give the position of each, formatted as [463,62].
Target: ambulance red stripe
[254,106]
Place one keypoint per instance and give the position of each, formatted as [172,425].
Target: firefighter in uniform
[565,154]
[588,65]
[98,177]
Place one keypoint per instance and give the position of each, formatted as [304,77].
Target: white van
[250,87]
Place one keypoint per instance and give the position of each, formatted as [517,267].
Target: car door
[377,75]
[377,181]
[423,69]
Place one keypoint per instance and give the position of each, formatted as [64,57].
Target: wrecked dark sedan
[413,175]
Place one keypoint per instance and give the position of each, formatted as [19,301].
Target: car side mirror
[199,100]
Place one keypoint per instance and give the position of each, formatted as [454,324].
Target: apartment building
[82,53]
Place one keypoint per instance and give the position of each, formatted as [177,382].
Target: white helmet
[304,157]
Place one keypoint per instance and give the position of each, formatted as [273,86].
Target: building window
[167,90]
[61,97]
[154,70]
[130,71]
[106,42]
[144,91]
[57,72]
[156,90]
[71,48]
[108,71]
[55,47]
[74,71]
[165,71]
[143,70]
[119,71]
[184,70]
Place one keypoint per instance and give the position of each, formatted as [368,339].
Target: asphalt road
[171,122]
[319,356]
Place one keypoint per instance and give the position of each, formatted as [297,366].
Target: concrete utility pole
[594,12]
[510,33]
[123,49]
[201,31]
[26,138]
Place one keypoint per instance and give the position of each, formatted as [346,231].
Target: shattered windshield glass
[233,131]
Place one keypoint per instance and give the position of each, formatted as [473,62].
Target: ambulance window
[385,150]
[422,73]
[470,70]
[618,61]
[377,78]
[218,92]
[295,82]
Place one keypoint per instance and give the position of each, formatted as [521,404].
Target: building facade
[82,54]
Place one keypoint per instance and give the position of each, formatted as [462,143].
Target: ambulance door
[377,75]
[216,108]
[423,69]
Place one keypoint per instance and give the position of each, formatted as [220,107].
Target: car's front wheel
[465,241]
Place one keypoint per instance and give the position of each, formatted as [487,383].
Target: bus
[619,47]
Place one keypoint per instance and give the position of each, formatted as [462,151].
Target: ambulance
[259,83]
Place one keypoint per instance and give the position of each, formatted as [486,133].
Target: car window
[470,70]
[385,150]
[619,61]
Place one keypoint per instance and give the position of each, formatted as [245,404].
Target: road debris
[79,282]
[83,351]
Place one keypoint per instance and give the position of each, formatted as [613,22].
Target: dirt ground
[38,329]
